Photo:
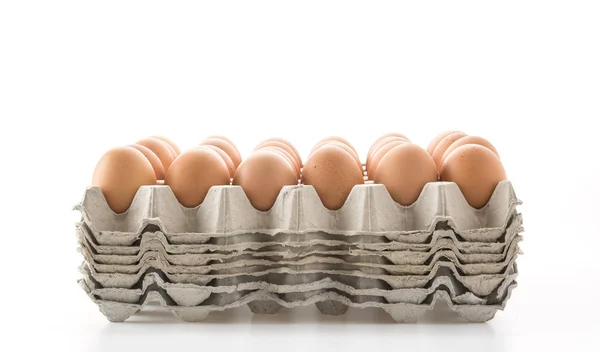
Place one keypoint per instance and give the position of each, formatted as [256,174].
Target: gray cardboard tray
[480,285]
[287,242]
[369,210]
[193,295]
[328,302]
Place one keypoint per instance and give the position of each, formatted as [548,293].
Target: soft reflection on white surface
[298,329]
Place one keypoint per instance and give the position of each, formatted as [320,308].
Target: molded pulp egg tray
[372,252]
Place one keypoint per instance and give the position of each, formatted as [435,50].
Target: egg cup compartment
[369,209]
[269,302]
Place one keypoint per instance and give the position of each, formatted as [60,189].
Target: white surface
[77,78]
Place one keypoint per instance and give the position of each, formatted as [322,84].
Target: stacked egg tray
[372,252]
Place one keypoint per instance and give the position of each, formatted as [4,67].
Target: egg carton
[256,242]
[192,295]
[481,285]
[328,302]
[368,210]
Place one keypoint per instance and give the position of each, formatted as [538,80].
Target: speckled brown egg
[262,176]
[446,142]
[226,146]
[194,172]
[119,174]
[333,173]
[170,143]
[476,170]
[469,140]
[346,148]
[436,140]
[162,150]
[405,170]
[379,154]
[225,157]
[291,151]
[159,170]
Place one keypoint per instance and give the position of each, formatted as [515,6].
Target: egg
[162,150]
[345,147]
[436,140]
[297,162]
[294,153]
[377,156]
[226,146]
[391,134]
[404,171]
[338,139]
[288,158]
[170,143]
[333,173]
[443,145]
[469,140]
[119,174]
[377,145]
[159,170]
[226,158]
[194,172]
[476,170]
[262,176]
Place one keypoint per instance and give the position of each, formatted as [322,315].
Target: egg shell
[297,162]
[405,170]
[226,158]
[170,143]
[333,173]
[295,153]
[378,145]
[288,158]
[381,151]
[346,148]
[338,139]
[469,140]
[476,170]
[159,170]
[436,140]
[391,134]
[194,172]
[262,176]
[119,174]
[443,145]
[225,146]
[162,150]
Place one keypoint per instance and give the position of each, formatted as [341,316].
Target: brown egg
[391,134]
[377,156]
[346,148]
[446,142]
[262,176]
[333,173]
[297,162]
[225,157]
[159,170]
[288,158]
[476,170]
[469,140]
[170,143]
[405,170]
[194,172]
[120,172]
[436,140]
[162,150]
[294,153]
[226,146]
[338,139]
[376,146]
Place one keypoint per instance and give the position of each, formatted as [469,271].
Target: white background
[77,78]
